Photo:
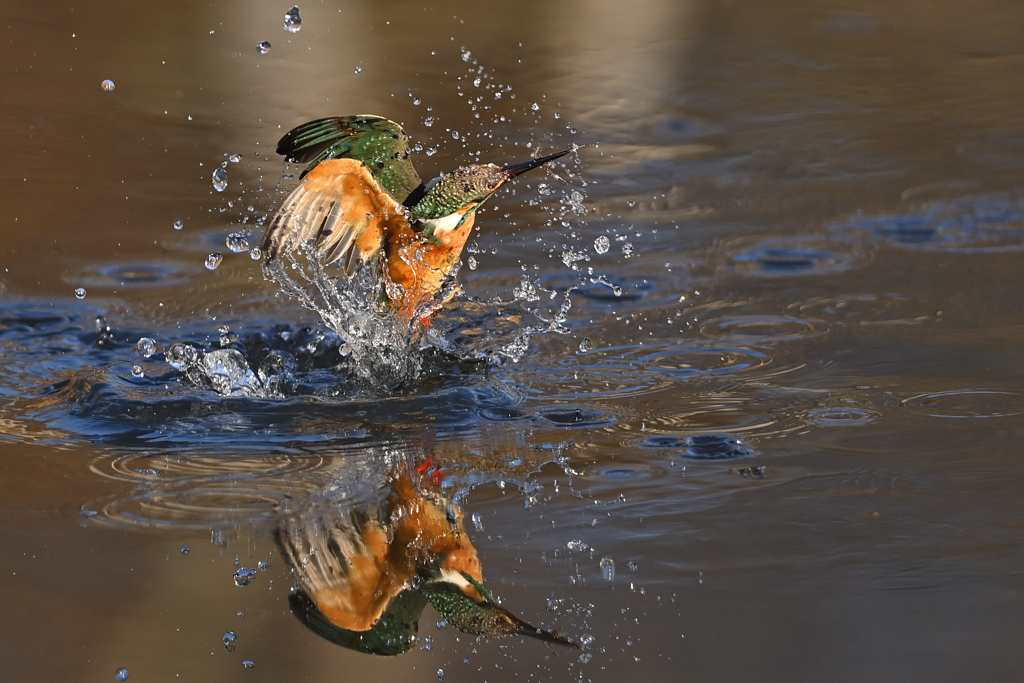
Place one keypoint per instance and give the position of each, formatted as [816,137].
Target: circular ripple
[703,360]
[572,416]
[193,508]
[977,224]
[504,414]
[150,468]
[623,472]
[799,255]
[967,403]
[840,417]
[754,328]
[714,447]
[137,274]
[864,309]
[570,381]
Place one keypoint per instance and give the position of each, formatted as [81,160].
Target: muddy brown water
[792,431]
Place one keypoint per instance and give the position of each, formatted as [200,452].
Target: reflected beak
[513,170]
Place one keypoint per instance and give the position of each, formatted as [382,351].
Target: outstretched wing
[375,141]
[339,208]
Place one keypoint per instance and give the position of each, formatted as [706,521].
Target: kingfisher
[364,577]
[360,199]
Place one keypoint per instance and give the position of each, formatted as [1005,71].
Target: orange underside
[421,534]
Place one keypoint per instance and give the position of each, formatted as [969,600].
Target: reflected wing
[380,144]
[341,210]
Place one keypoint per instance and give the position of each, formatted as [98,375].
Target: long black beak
[513,170]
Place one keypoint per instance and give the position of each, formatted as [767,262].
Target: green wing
[380,144]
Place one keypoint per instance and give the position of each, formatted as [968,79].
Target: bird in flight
[360,201]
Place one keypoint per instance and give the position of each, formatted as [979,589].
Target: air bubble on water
[558,114]
[586,640]
[429,121]
[220,180]
[440,672]
[122,673]
[535,106]
[359,69]
[477,81]
[237,242]
[179,224]
[602,244]
[471,262]
[230,641]
[248,663]
[213,260]
[627,249]
[544,189]
[586,345]
[263,47]
[255,253]
[235,158]
[466,55]
[292,20]
[80,293]
[585,657]
[263,565]
[478,521]
[428,643]
[431,151]
[576,546]
[455,134]
[441,625]
[137,371]
[244,576]
[185,550]
[608,568]
[416,101]
[633,566]
[108,86]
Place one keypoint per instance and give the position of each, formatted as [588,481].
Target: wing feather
[338,210]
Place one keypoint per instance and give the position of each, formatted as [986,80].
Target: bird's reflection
[366,566]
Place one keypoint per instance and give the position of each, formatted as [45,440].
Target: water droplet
[244,576]
[292,20]
[108,86]
[263,565]
[122,673]
[237,242]
[627,249]
[544,189]
[255,253]
[248,663]
[263,47]
[431,151]
[558,114]
[440,672]
[137,371]
[80,293]
[230,641]
[478,522]
[608,568]
[586,640]
[220,180]
[235,158]
[586,345]
[455,134]
[441,625]
[428,643]
[146,347]
[179,224]
[359,69]
[429,121]
[213,260]
[185,550]
[585,657]
[416,101]
[471,262]
[466,55]
[535,106]
[477,81]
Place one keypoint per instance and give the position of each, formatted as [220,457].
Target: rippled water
[733,395]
